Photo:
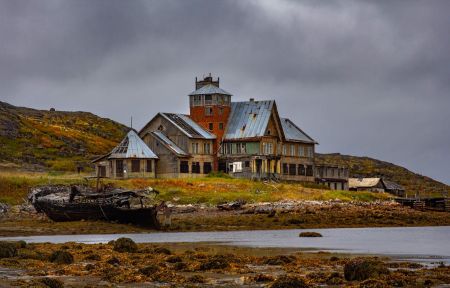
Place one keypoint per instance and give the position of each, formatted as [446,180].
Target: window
[220,126]
[247,164]
[206,148]
[285,169]
[197,100]
[184,167]
[284,149]
[268,132]
[207,167]
[301,151]
[220,111]
[161,128]
[309,152]
[135,165]
[237,167]
[292,150]
[208,99]
[292,170]
[148,167]
[208,111]
[196,167]
[309,170]
[301,170]
[194,148]
[267,148]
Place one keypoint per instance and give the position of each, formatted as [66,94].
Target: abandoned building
[132,158]
[335,177]
[376,184]
[245,139]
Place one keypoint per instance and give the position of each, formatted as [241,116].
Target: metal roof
[293,133]
[209,89]
[363,182]
[169,143]
[132,146]
[188,126]
[248,119]
[392,185]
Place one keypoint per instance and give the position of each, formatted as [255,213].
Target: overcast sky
[366,78]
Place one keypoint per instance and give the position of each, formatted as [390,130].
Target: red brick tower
[210,107]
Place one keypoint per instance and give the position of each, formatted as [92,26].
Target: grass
[14,186]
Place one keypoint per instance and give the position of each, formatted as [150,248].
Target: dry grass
[14,187]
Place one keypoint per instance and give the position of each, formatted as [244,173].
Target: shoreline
[22,220]
[206,265]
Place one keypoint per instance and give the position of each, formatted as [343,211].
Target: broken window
[285,169]
[148,167]
[184,167]
[292,170]
[196,167]
[207,167]
[135,165]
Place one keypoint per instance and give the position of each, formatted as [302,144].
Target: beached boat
[74,203]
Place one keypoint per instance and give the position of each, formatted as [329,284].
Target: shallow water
[429,244]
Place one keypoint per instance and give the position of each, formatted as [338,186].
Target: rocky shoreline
[22,220]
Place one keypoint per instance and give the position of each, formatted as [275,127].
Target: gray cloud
[362,77]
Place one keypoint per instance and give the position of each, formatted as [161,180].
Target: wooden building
[366,184]
[132,158]
[184,148]
[335,177]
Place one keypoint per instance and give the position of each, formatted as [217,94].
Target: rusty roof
[188,126]
[248,119]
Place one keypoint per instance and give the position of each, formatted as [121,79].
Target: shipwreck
[81,202]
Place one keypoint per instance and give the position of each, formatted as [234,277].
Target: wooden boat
[74,203]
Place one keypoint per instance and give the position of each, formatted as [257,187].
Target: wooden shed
[132,158]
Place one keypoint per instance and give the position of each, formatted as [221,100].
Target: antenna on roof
[131,124]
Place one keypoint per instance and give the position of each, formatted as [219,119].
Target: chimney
[252,99]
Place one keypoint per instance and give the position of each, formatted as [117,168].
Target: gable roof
[169,144]
[249,119]
[209,89]
[293,133]
[392,185]
[188,126]
[132,147]
[363,182]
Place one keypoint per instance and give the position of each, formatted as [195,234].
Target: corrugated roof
[363,182]
[248,119]
[209,89]
[392,185]
[132,146]
[188,126]
[169,143]
[293,133]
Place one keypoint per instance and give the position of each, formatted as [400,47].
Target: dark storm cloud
[362,77]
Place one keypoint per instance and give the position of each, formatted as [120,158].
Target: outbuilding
[132,158]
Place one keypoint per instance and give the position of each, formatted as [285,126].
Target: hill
[369,167]
[54,140]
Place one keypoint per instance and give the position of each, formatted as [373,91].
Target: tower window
[220,111]
[211,126]
[208,99]
[197,100]
[208,111]
[220,126]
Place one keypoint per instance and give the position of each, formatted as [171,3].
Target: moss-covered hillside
[369,167]
[54,140]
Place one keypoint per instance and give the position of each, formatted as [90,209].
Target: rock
[125,245]
[362,269]
[61,257]
[52,282]
[310,234]
[8,250]
[149,270]
[215,262]
[290,282]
